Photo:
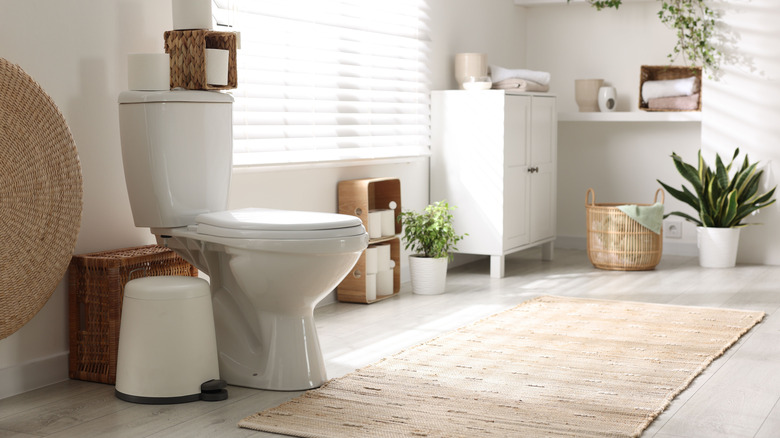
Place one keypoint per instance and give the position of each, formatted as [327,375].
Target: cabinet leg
[497,266]
[547,250]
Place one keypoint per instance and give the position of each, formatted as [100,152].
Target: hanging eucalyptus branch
[695,24]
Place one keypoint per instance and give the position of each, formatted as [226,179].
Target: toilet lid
[264,223]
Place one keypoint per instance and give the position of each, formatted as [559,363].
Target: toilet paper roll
[217,66]
[383,257]
[388,223]
[370,287]
[371,266]
[191,14]
[374,224]
[149,71]
[384,282]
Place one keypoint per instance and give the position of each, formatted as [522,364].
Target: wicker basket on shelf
[618,243]
[665,73]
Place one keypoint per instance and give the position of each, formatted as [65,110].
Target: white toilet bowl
[268,270]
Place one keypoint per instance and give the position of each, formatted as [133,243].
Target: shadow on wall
[742,108]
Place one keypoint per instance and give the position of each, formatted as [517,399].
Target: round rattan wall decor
[40,197]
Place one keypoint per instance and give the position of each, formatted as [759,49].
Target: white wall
[494,27]
[77,49]
[742,111]
[620,161]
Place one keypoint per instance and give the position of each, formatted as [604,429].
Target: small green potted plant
[721,201]
[429,235]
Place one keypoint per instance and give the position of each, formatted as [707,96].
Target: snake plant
[720,201]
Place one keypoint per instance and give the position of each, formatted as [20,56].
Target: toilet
[267,268]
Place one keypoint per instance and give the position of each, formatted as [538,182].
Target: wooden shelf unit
[357,197]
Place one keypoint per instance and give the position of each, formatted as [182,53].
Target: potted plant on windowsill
[431,238]
[722,203]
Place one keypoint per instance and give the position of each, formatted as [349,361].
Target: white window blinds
[324,80]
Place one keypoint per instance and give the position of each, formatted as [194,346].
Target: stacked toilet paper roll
[381,223]
[384,272]
[148,71]
[370,287]
[384,283]
[217,66]
[374,224]
[388,223]
[197,15]
[371,260]
[383,260]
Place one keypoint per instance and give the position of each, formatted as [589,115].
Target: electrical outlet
[673,229]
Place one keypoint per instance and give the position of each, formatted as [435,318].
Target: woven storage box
[667,72]
[187,49]
[618,243]
[96,289]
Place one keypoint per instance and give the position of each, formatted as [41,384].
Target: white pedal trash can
[167,346]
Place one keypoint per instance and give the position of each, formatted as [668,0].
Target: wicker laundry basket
[618,243]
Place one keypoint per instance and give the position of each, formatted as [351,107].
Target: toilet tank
[177,152]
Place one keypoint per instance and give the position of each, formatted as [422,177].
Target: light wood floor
[737,396]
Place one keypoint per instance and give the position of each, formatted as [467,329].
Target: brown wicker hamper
[618,243]
[96,289]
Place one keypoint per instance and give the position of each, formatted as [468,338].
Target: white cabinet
[493,155]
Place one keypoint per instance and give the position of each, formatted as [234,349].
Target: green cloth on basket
[650,216]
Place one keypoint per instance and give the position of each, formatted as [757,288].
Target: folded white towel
[520,85]
[498,74]
[668,88]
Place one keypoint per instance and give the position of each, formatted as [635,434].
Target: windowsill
[276,167]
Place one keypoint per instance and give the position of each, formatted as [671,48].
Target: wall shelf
[632,116]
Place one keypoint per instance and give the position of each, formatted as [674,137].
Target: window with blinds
[329,80]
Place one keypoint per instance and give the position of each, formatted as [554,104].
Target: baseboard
[33,375]
[671,247]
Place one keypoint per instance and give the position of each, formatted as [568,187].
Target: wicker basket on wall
[618,243]
[664,73]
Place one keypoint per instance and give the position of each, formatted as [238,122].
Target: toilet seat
[265,223]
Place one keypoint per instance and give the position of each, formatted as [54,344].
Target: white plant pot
[717,246]
[429,275]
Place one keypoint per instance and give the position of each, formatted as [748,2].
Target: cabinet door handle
[534,169]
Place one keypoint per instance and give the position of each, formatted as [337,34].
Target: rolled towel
[679,103]
[500,73]
[520,85]
[668,88]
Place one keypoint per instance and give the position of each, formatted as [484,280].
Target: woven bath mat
[40,197]
[552,366]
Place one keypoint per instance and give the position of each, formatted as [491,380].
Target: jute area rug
[551,366]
